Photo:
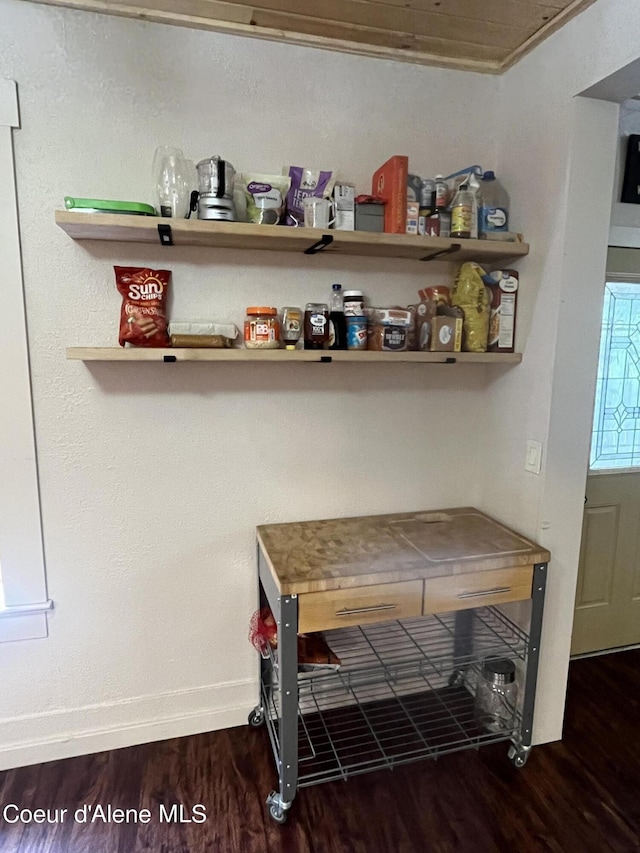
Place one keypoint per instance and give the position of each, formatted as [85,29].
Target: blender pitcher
[215,185]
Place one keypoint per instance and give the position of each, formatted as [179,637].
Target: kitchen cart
[410,604]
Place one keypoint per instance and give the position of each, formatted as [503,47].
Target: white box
[412,217]
[344,196]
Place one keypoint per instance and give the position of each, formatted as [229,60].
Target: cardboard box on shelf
[370,217]
[422,313]
[503,286]
[390,183]
[344,196]
[413,210]
[446,334]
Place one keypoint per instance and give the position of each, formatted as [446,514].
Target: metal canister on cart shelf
[496,694]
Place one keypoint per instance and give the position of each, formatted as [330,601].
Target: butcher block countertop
[342,553]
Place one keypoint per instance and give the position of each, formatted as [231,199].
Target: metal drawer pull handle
[347,612]
[495,591]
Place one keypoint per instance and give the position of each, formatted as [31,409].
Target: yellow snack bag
[470,294]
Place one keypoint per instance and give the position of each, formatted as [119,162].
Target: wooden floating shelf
[158,354]
[244,235]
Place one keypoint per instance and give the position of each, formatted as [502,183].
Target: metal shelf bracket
[453,248]
[322,243]
[164,232]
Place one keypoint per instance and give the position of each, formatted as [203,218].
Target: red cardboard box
[390,183]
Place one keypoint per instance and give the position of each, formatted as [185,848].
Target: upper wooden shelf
[243,235]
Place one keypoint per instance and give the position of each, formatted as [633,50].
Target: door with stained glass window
[607,613]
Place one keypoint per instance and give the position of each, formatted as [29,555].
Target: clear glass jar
[261,328]
[496,695]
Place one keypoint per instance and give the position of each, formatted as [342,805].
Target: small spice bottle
[261,328]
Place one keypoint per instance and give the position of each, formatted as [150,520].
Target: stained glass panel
[615,441]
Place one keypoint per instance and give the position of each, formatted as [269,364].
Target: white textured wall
[154,477]
[149,502]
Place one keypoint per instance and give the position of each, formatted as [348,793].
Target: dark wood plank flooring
[581,794]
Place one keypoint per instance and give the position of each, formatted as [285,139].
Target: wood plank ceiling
[474,35]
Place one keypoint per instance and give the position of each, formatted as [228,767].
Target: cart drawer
[337,608]
[479,589]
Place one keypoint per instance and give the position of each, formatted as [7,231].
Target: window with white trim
[23,591]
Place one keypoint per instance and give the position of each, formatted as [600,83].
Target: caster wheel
[278,814]
[277,809]
[256,718]
[518,756]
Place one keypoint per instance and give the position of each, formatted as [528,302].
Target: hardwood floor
[577,796]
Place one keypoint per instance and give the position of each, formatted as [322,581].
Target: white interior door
[608,597]
[607,613]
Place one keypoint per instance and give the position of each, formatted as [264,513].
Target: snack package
[314,654]
[263,631]
[201,341]
[455,180]
[304,183]
[264,195]
[143,316]
[388,329]
[470,294]
[202,334]
[439,293]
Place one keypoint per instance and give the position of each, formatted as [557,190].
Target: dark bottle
[441,216]
[316,325]
[337,322]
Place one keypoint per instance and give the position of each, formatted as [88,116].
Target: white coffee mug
[317,212]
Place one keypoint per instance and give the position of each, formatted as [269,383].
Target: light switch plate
[533,458]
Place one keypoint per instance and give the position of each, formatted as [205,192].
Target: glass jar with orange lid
[261,328]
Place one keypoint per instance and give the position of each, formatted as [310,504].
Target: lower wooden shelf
[318,356]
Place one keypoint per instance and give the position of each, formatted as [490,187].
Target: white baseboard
[64,733]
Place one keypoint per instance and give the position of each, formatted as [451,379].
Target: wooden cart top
[337,553]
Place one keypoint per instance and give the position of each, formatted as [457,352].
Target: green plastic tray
[99,205]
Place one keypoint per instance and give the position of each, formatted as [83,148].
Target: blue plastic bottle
[494,213]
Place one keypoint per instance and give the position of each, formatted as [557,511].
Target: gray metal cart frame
[403,702]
